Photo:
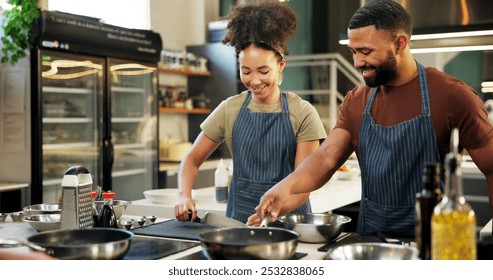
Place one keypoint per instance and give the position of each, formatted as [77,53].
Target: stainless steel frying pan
[268,243]
[78,244]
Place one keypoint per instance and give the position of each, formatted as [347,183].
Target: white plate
[162,196]
[168,196]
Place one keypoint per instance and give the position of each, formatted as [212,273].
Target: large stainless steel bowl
[43,222]
[119,206]
[372,251]
[315,228]
[48,208]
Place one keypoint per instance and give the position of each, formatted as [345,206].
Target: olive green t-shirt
[305,120]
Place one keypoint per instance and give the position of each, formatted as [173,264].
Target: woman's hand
[184,207]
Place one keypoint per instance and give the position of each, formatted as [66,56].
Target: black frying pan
[80,244]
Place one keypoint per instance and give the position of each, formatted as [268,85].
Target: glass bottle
[107,217]
[453,224]
[95,215]
[426,200]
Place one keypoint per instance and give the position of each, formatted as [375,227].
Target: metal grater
[76,199]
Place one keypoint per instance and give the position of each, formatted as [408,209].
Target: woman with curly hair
[267,131]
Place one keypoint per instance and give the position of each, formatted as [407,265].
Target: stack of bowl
[43,217]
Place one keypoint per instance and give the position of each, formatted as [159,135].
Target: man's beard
[383,73]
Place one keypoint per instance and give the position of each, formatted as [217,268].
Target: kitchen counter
[334,194]
[21,231]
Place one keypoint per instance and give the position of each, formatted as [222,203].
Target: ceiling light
[475,40]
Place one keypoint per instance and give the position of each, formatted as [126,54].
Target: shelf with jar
[183,71]
[175,100]
[172,110]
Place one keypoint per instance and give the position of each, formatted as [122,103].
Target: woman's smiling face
[260,73]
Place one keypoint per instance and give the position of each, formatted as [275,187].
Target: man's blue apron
[264,149]
[392,160]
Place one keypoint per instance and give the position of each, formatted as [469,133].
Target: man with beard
[399,121]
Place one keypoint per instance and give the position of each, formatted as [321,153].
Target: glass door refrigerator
[94,103]
[132,88]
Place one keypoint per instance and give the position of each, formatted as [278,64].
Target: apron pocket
[248,197]
[388,219]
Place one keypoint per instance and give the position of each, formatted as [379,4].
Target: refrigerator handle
[108,159]
[111,152]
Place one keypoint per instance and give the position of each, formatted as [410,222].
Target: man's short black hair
[383,14]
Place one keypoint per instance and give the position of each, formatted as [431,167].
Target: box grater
[76,199]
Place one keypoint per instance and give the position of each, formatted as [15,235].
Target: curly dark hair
[267,25]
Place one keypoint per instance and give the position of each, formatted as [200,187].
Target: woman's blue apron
[264,149]
[391,162]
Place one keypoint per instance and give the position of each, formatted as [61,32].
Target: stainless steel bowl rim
[408,251]
[284,218]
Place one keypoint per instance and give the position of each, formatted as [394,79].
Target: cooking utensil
[372,251]
[76,199]
[43,222]
[341,237]
[48,208]
[217,220]
[315,227]
[249,243]
[78,244]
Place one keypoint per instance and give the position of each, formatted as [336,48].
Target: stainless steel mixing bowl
[372,251]
[43,222]
[315,228]
[119,206]
[46,208]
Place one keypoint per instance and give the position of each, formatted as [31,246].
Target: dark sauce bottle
[426,200]
[107,217]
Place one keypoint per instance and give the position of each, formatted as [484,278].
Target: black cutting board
[173,229]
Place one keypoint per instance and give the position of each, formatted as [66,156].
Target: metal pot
[249,243]
[79,244]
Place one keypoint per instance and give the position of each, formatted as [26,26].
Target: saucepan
[78,244]
[268,243]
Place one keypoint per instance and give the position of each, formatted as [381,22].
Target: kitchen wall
[15,115]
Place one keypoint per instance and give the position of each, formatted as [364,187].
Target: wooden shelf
[181,71]
[184,110]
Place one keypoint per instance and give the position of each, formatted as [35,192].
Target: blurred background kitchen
[158,102]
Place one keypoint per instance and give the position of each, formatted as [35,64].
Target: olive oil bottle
[453,224]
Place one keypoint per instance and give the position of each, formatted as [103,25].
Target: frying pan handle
[265,221]
[11,243]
